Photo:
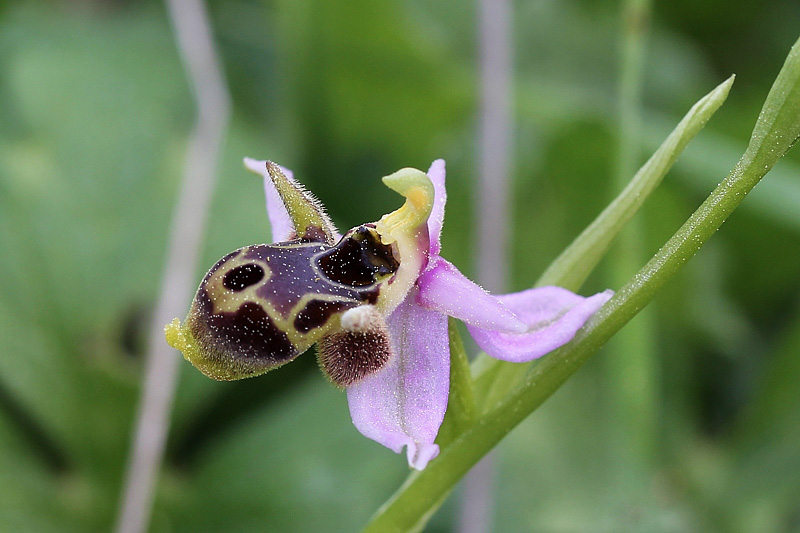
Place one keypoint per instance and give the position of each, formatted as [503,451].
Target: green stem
[633,352]
[777,129]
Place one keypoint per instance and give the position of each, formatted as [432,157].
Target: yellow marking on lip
[227,300]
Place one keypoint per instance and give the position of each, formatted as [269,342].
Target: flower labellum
[261,306]
[375,301]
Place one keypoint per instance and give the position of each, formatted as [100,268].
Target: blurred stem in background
[492,210]
[631,366]
[201,62]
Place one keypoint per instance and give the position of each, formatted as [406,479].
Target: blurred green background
[94,116]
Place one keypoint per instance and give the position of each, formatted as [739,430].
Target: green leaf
[574,265]
[778,125]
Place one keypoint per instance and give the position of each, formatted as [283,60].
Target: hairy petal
[279,220]
[436,173]
[404,403]
[442,287]
[553,316]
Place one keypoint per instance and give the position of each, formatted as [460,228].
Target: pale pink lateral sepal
[553,316]
[444,288]
[436,174]
[404,403]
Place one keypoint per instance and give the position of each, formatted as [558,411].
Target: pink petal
[404,403]
[443,288]
[553,316]
[436,173]
[279,220]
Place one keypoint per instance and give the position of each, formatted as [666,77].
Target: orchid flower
[375,301]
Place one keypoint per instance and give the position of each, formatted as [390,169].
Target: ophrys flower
[375,301]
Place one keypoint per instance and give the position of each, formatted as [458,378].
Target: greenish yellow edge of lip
[177,338]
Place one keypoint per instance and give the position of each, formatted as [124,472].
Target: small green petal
[307,213]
